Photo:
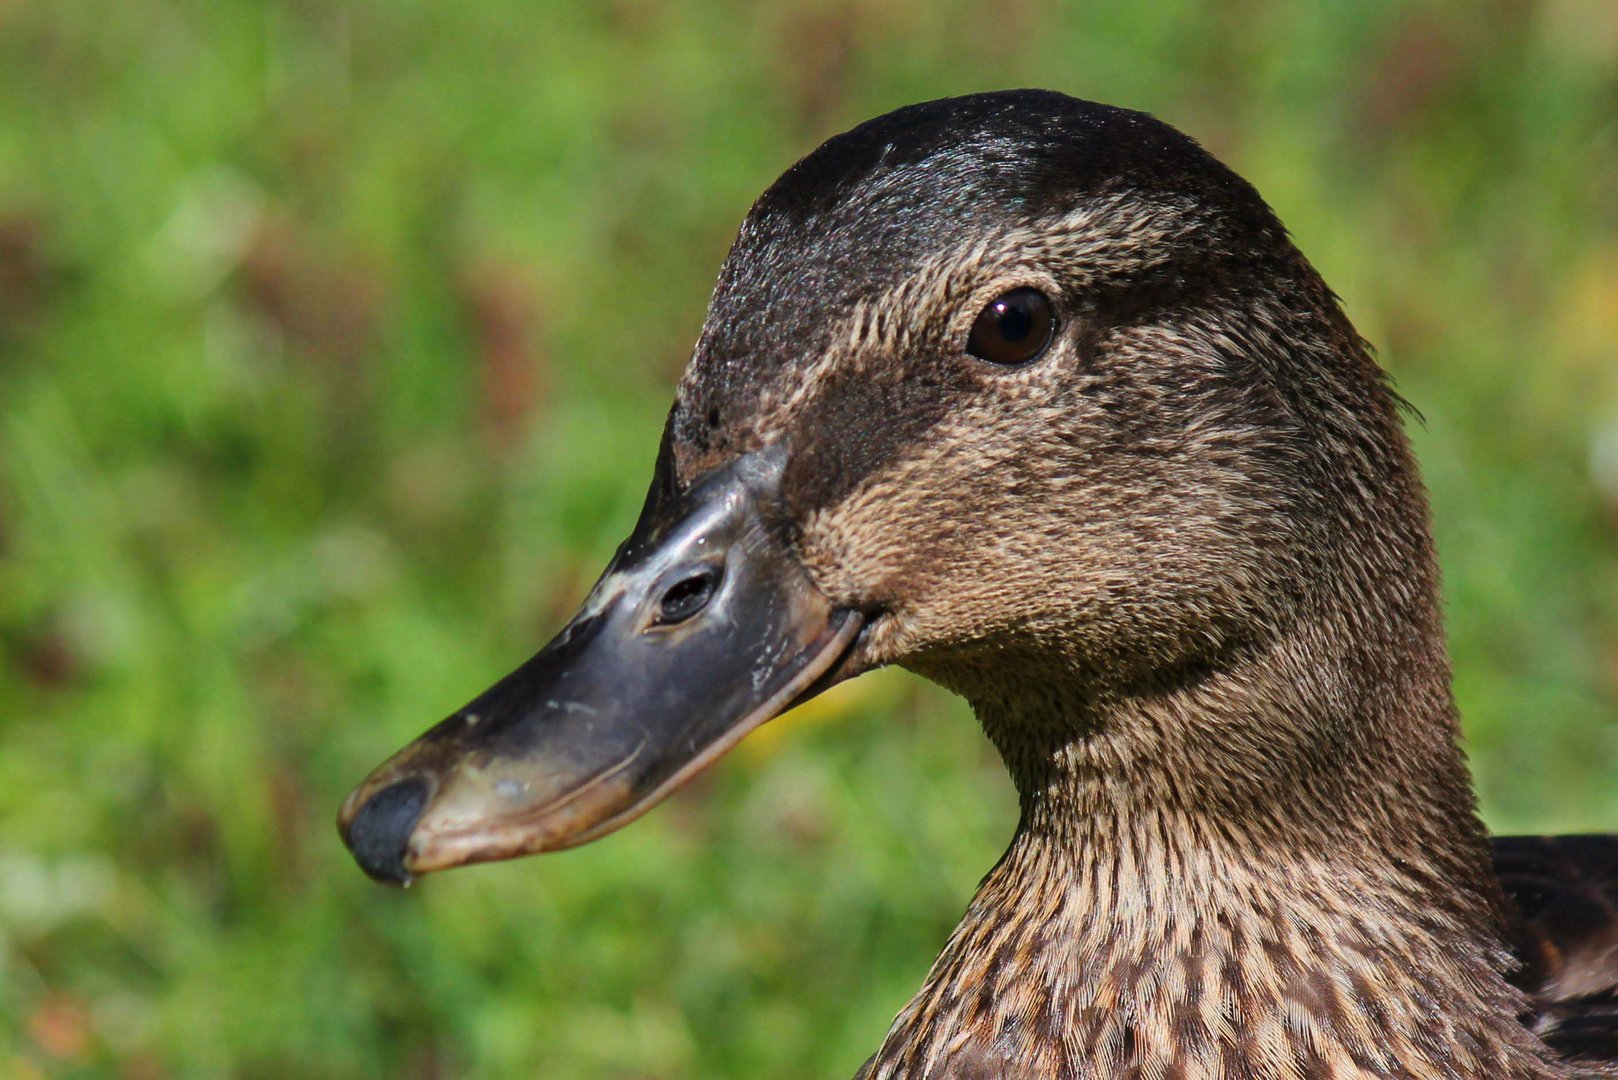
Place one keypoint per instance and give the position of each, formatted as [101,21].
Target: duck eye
[1013,329]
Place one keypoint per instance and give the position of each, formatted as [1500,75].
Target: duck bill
[705,626]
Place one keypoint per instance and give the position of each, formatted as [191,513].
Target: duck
[1034,397]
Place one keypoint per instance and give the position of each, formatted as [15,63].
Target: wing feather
[1562,892]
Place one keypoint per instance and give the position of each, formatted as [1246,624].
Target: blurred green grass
[334,345]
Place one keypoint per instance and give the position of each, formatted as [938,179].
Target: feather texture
[1563,897]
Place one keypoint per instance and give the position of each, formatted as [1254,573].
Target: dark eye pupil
[1013,329]
[1015,321]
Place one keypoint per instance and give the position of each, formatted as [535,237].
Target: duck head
[995,388]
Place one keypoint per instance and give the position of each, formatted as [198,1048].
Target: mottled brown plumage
[1562,894]
[1181,568]
[1179,563]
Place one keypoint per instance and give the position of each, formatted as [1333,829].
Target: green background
[334,344]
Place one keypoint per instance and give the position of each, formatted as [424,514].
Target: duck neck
[1269,864]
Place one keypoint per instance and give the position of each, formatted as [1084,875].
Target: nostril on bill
[380,833]
[687,596]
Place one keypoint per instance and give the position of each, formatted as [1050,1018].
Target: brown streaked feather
[1180,565]
[1562,892]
